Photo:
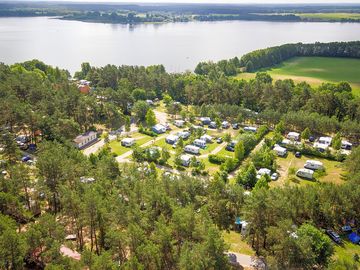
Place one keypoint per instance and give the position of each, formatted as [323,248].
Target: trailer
[128,142]
[305,173]
[314,165]
[192,149]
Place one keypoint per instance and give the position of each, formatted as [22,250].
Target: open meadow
[316,70]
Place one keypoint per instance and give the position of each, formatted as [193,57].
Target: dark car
[232,259]
[236,126]
[298,154]
[219,140]
[334,236]
[25,158]
[311,139]
[212,125]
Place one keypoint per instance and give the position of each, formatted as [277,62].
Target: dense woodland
[136,218]
[272,56]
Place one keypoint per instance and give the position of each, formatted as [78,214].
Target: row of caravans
[309,167]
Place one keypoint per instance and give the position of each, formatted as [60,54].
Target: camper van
[185,160]
[313,165]
[192,149]
[207,138]
[179,123]
[305,173]
[127,142]
[199,143]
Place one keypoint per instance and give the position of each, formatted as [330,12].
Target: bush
[147,132]
[215,159]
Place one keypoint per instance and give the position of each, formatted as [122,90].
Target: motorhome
[179,123]
[262,172]
[313,165]
[293,136]
[305,173]
[325,140]
[207,138]
[225,124]
[185,160]
[192,149]
[346,145]
[128,142]
[183,134]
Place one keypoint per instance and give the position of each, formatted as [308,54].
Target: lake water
[178,46]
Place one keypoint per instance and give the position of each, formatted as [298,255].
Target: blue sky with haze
[215,1]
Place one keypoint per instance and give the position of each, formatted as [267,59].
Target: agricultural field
[330,16]
[316,70]
[287,166]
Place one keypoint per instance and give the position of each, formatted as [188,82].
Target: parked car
[274,176]
[219,140]
[230,148]
[334,236]
[212,125]
[25,158]
[311,139]
[298,154]
[235,126]
[233,259]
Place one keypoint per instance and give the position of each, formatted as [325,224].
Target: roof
[192,147]
[172,137]
[293,134]
[264,171]
[84,136]
[199,141]
[279,148]
[314,162]
[306,171]
[159,126]
[128,140]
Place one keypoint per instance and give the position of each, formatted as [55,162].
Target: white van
[192,149]
[128,142]
[313,165]
[305,173]
[199,143]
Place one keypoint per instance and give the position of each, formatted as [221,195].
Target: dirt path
[215,151]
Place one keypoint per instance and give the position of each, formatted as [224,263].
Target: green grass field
[316,70]
[330,16]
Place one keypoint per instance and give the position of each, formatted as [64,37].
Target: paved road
[242,259]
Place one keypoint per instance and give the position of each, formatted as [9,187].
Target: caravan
[127,142]
[280,151]
[192,149]
[313,165]
[200,143]
[305,173]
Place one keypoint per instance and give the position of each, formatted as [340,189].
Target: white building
[128,142]
[85,140]
[293,136]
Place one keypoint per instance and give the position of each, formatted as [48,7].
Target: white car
[274,176]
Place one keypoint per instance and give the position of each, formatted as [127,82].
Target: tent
[354,237]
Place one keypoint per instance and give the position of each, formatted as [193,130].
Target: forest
[134,217]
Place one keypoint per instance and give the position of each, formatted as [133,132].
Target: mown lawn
[316,70]
[334,170]
[117,148]
[236,243]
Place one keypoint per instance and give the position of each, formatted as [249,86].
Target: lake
[178,46]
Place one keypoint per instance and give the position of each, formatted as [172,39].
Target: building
[185,160]
[171,139]
[179,123]
[158,129]
[192,149]
[85,140]
[305,173]
[128,142]
[280,151]
[293,136]
[85,89]
[251,129]
[325,140]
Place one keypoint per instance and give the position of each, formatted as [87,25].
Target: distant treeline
[272,56]
[249,17]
